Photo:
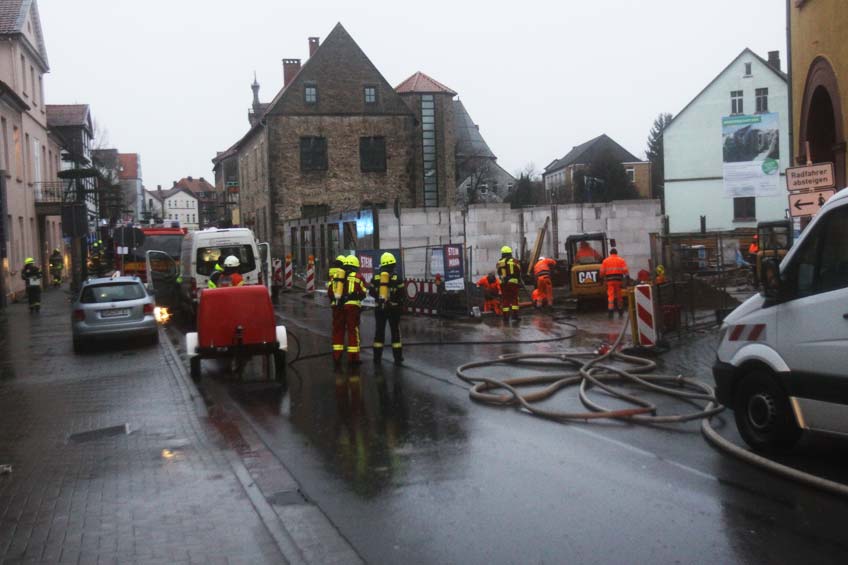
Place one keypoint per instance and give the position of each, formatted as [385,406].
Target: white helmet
[541,258]
[231,261]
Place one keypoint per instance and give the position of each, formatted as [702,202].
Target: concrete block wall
[488,227]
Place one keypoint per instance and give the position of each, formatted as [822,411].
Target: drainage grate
[100,433]
[287,498]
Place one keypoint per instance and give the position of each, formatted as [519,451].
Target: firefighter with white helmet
[229,276]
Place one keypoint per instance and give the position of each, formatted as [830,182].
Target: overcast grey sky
[170,79]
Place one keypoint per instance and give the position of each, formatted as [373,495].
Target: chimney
[313,46]
[774,59]
[290,69]
[190,179]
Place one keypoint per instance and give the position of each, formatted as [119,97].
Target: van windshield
[207,257]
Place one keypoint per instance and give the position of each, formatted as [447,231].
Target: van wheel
[79,345]
[279,366]
[763,414]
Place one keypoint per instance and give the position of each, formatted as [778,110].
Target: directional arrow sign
[808,203]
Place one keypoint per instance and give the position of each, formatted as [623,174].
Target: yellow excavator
[586,252]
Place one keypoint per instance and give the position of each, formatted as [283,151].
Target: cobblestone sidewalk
[109,463]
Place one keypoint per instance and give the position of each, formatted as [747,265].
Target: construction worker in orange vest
[491,287]
[542,271]
[754,248]
[351,304]
[509,272]
[614,270]
[586,254]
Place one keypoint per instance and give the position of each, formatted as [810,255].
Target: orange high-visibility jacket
[586,251]
[486,285]
[614,268]
[543,267]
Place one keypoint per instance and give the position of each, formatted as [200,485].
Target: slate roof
[422,84]
[129,166]
[194,185]
[469,142]
[13,14]
[68,115]
[591,150]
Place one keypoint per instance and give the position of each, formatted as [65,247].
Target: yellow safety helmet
[29,260]
[660,270]
[352,261]
[387,259]
[506,249]
[341,259]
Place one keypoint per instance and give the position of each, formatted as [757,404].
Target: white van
[201,250]
[783,357]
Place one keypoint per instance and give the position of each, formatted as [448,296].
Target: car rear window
[208,256]
[112,292]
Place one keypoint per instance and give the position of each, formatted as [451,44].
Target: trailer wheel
[194,365]
[763,414]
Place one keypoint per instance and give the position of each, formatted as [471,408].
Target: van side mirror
[770,283]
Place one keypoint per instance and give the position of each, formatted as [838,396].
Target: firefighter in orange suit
[509,272]
[491,287]
[348,322]
[614,270]
[542,271]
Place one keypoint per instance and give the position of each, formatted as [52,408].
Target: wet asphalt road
[411,471]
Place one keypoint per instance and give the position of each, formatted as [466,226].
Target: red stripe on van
[737,332]
[756,332]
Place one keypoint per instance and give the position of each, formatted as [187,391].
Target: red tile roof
[421,83]
[129,166]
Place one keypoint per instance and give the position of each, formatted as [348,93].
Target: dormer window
[310,94]
[370,95]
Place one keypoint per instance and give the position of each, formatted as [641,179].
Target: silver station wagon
[115,308]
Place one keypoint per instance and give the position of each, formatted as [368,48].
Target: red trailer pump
[238,323]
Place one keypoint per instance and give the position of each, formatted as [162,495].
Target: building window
[28,158]
[744,209]
[23,75]
[762,100]
[5,132]
[747,69]
[310,94]
[631,174]
[736,102]
[32,85]
[370,95]
[372,154]
[428,147]
[313,154]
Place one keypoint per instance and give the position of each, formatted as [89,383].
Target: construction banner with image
[751,155]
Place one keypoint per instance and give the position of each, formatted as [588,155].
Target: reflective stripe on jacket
[614,268]
[508,270]
[355,290]
[543,268]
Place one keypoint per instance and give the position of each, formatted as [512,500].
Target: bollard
[289,273]
[310,274]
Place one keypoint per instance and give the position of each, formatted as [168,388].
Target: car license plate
[117,313]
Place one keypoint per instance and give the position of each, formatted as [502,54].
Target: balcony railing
[50,192]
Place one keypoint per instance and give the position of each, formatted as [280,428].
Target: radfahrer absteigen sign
[751,155]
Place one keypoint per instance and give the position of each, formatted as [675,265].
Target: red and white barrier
[289,273]
[277,272]
[310,274]
[422,297]
[646,320]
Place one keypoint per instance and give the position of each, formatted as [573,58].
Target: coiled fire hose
[590,370]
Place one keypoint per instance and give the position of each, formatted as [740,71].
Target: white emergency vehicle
[783,357]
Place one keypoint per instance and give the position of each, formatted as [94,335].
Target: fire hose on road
[604,371]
